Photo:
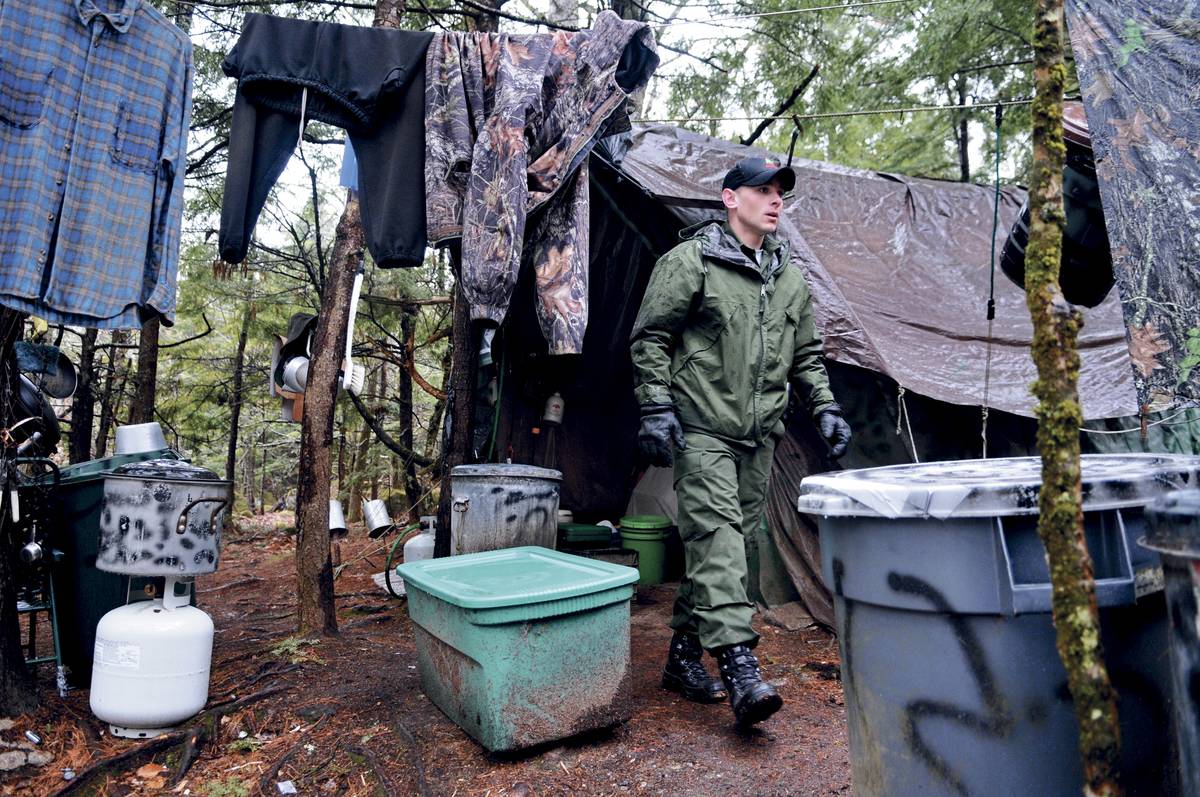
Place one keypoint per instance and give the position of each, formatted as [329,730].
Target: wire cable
[970,106]
[784,12]
[991,302]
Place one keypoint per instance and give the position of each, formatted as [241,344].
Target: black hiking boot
[752,698]
[685,671]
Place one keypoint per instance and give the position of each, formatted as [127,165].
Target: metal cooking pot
[162,517]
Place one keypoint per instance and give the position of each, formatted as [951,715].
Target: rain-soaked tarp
[899,269]
[1139,69]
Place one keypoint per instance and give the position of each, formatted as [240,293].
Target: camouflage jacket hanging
[510,120]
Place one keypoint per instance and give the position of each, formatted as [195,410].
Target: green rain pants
[721,487]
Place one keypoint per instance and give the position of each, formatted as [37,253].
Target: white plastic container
[418,548]
[151,665]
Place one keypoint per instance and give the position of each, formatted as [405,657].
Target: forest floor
[345,715]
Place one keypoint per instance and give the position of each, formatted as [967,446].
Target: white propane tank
[419,547]
[151,666]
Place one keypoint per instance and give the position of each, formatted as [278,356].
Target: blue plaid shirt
[95,100]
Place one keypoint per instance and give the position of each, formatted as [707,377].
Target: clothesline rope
[1159,422]
[784,12]
[970,106]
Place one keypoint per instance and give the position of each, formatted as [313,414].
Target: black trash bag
[1086,274]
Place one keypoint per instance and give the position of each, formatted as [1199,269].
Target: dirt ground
[349,717]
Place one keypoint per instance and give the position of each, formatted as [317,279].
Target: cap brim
[787,177]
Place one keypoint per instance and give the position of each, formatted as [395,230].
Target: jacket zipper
[762,346]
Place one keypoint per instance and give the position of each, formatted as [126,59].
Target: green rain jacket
[720,339]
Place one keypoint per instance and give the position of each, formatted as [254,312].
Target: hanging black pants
[368,81]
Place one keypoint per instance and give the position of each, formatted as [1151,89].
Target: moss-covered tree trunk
[1056,328]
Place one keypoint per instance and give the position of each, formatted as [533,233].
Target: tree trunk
[412,489]
[315,611]
[142,410]
[251,477]
[235,399]
[114,388]
[439,408]
[83,403]
[485,22]
[1056,328]
[629,9]
[461,403]
[18,689]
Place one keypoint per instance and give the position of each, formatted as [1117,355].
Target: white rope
[1159,422]
[719,20]
[987,384]
[903,419]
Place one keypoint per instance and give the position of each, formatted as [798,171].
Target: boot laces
[741,668]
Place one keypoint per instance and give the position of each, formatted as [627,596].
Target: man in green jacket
[724,328]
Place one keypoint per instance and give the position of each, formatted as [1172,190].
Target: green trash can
[647,534]
[82,593]
[522,646]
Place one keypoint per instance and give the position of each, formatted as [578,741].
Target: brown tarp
[899,271]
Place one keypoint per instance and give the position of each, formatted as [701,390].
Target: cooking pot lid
[166,470]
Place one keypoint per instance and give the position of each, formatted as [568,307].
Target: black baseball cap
[758,171]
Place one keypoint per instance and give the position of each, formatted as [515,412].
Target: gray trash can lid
[506,471]
[990,487]
[1174,524]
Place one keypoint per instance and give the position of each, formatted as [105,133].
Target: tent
[899,269]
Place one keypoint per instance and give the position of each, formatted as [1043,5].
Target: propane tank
[421,546]
[151,665]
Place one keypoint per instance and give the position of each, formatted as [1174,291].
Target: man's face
[756,206]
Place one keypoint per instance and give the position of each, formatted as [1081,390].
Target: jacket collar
[118,20]
[717,241]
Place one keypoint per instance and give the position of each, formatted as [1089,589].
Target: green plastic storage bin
[647,534]
[522,646]
[583,535]
[83,593]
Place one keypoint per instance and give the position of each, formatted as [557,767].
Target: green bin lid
[579,531]
[645,522]
[513,577]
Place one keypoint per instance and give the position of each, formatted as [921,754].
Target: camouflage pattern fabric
[1138,71]
[510,120]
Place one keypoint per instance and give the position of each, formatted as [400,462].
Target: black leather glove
[834,429]
[660,435]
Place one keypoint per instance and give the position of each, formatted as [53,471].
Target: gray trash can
[953,685]
[1174,531]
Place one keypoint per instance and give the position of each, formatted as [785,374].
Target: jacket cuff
[822,403]
[652,394]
